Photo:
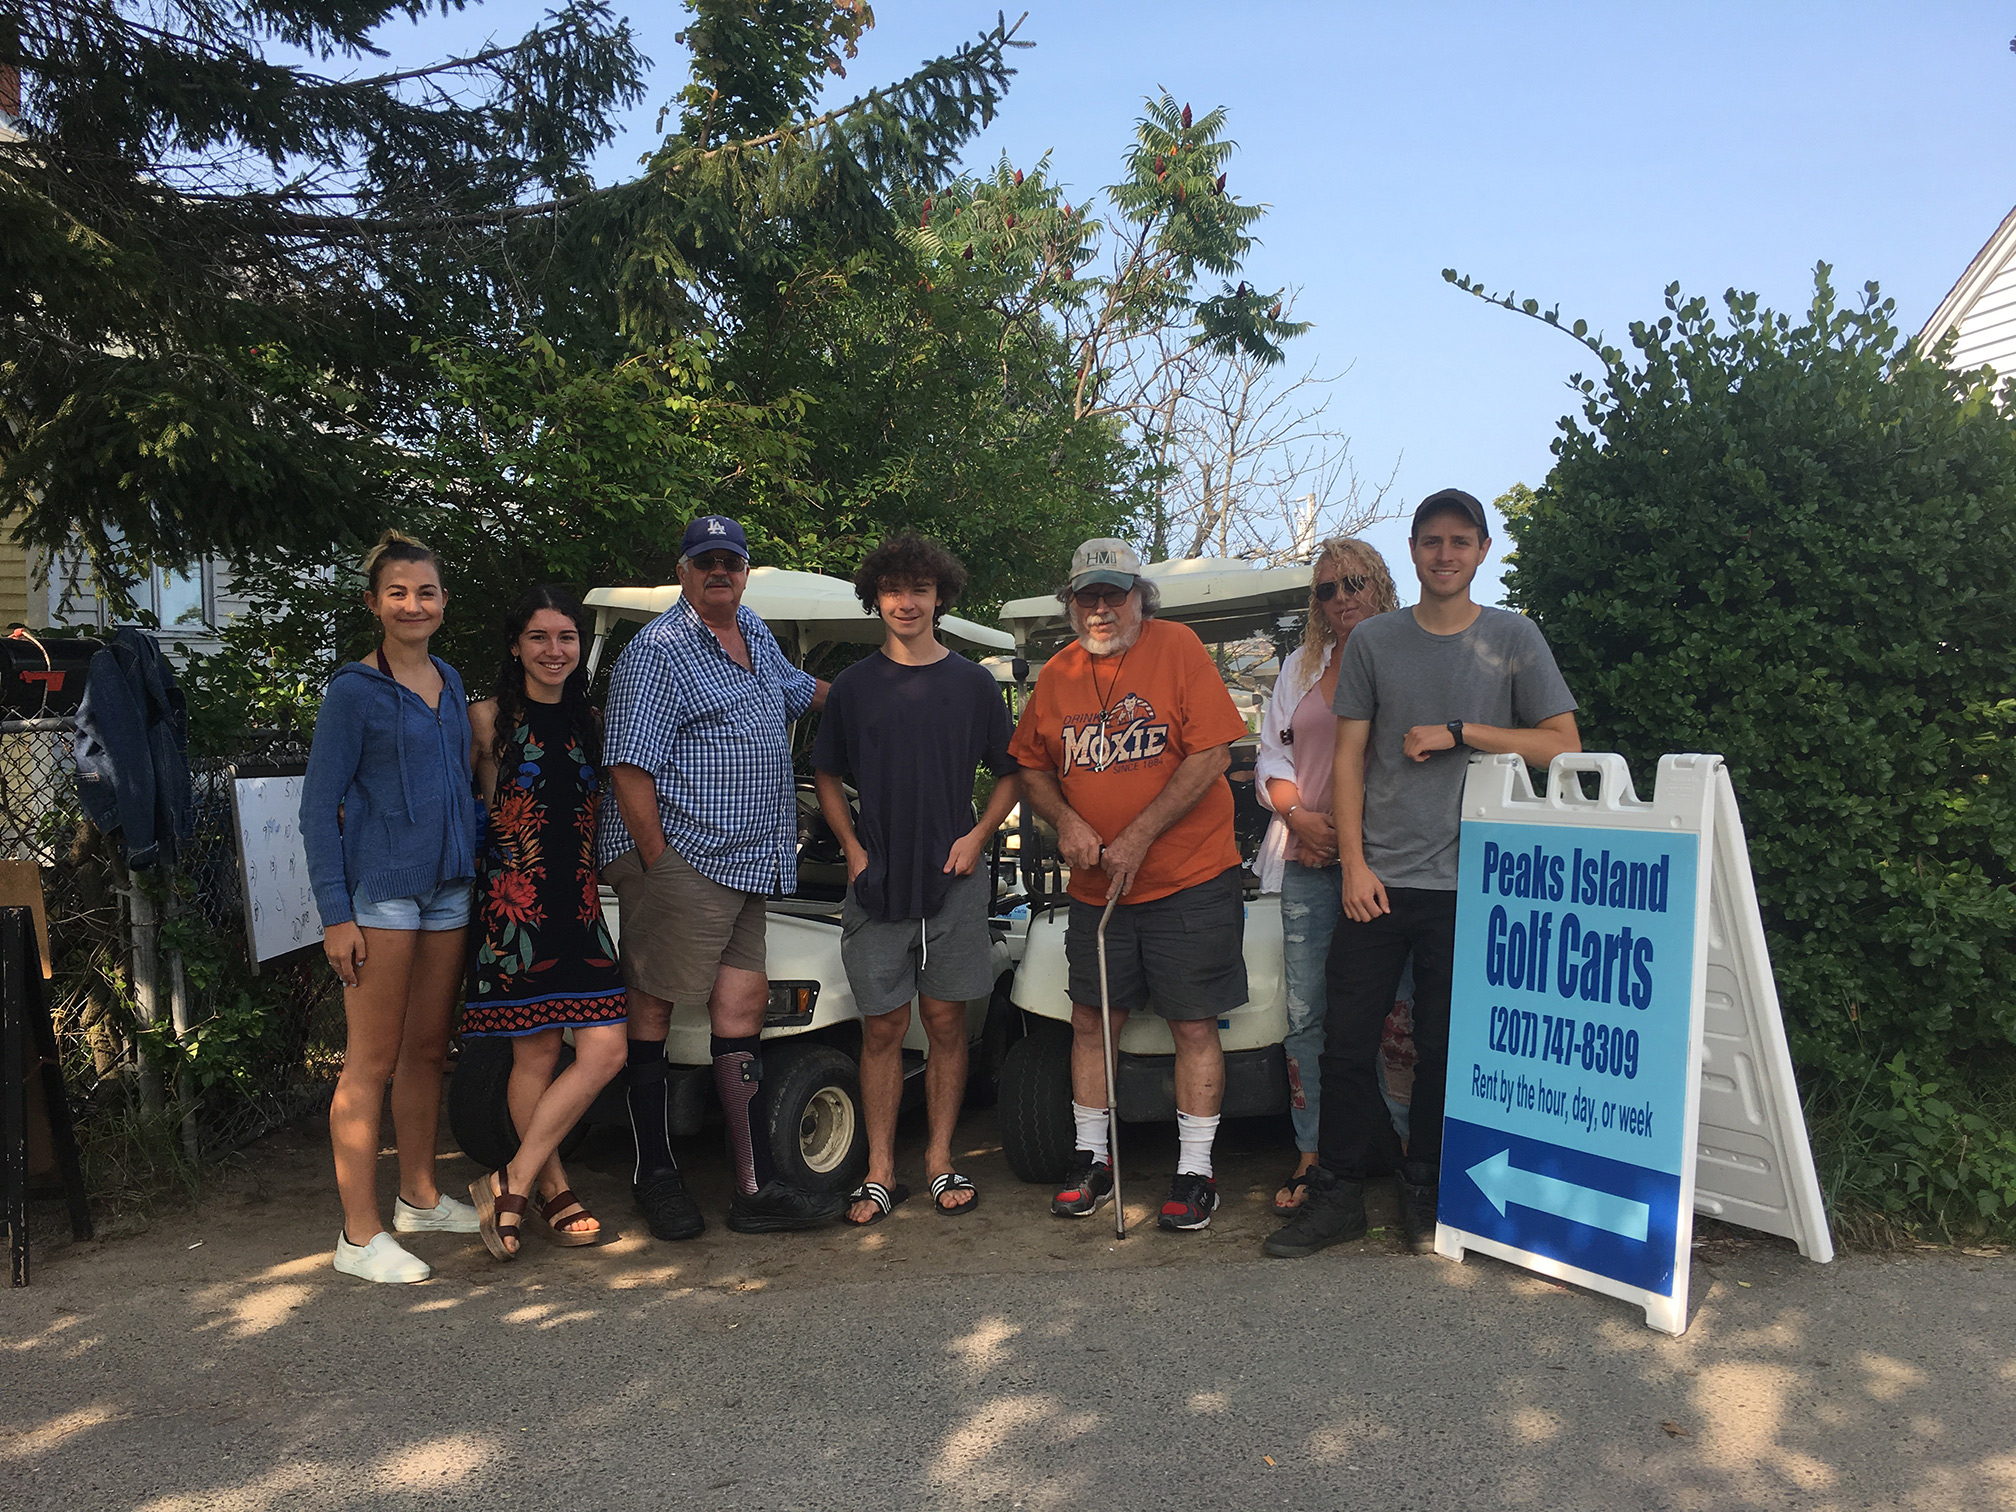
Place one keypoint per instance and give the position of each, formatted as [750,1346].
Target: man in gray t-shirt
[1418,690]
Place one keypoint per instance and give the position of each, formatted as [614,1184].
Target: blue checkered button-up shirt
[713,735]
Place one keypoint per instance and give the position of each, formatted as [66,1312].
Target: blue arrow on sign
[1502,1182]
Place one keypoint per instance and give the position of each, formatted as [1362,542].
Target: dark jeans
[1360,980]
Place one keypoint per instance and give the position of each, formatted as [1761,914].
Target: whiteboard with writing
[280,912]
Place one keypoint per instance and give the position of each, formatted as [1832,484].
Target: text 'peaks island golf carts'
[811,1028]
[1244,613]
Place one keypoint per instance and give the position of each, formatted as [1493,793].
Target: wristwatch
[1455,728]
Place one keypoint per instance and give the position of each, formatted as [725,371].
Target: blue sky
[1588,154]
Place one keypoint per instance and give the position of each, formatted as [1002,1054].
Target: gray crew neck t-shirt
[1394,673]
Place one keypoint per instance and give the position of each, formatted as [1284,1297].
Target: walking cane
[1112,1099]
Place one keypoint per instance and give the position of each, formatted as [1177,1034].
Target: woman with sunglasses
[1297,741]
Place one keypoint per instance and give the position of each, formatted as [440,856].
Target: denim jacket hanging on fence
[132,751]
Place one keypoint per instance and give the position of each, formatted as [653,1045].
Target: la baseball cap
[1446,499]
[1104,559]
[714,533]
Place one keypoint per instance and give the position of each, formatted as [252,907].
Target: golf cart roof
[804,610]
[1222,599]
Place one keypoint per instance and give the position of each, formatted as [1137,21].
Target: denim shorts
[446,907]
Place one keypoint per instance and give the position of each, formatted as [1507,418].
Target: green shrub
[1794,543]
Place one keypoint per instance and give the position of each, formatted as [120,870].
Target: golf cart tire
[479,1108]
[998,1035]
[818,1136]
[1037,1134]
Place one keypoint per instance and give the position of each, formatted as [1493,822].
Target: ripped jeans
[1312,901]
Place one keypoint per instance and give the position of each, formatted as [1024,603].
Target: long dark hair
[584,721]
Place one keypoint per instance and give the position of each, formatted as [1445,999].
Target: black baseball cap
[1447,499]
[711,532]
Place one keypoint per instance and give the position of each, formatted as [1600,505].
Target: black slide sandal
[886,1200]
[952,1181]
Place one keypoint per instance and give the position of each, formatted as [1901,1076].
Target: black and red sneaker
[1192,1201]
[1087,1189]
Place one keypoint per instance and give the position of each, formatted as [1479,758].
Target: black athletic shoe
[1087,1189]
[669,1212]
[1333,1213]
[1417,1215]
[778,1207]
[1192,1201]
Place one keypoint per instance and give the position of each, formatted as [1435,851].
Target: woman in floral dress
[544,961]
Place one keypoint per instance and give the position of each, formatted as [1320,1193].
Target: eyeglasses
[720,561]
[1110,594]
[1328,590]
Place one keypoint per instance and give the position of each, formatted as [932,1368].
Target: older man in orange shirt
[1124,746]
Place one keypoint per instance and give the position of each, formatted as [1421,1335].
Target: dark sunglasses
[1327,591]
[1100,593]
[720,561]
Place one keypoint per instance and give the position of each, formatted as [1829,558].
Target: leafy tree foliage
[230,269]
[218,263]
[1793,542]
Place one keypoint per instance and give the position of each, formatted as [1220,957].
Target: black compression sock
[646,1097]
[738,1080]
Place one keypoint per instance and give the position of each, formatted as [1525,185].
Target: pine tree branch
[992,43]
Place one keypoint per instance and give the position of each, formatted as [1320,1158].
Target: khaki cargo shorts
[679,927]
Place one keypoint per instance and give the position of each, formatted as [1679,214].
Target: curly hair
[395,546]
[907,559]
[583,719]
[1353,557]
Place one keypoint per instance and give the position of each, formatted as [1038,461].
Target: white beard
[1120,645]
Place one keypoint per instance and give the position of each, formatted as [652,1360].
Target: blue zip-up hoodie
[400,773]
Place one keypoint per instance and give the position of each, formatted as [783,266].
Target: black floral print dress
[544,957]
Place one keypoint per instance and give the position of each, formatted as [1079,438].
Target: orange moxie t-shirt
[1114,729]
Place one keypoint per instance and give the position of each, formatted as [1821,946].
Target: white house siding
[1981,307]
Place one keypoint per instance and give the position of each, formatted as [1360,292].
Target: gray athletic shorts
[1180,957]
[944,956]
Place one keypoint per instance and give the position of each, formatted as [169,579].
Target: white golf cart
[1226,603]
[812,1027]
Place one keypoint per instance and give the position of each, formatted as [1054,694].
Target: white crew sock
[1092,1125]
[1193,1143]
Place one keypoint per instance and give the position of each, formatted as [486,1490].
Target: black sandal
[886,1200]
[1295,1182]
[952,1181]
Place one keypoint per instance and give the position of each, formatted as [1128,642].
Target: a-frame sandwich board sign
[1617,1059]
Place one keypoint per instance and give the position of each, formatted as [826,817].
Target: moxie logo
[1124,735]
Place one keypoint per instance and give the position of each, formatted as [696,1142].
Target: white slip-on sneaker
[380,1260]
[447,1216]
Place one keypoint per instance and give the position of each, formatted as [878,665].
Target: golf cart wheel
[479,1110]
[818,1138]
[1037,1134]
[1000,1032]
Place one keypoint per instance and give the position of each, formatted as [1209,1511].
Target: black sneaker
[1417,1214]
[778,1207]
[669,1212]
[1333,1213]
[1192,1201]
[1087,1189]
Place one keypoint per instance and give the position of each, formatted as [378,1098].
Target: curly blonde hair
[1352,558]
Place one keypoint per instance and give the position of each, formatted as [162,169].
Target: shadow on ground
[1005,1359]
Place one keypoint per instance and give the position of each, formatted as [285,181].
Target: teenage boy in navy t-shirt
[909,726]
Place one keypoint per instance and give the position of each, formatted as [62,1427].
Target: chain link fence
[259,1048]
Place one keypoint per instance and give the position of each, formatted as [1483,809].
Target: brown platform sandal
[493,1206]
[565,1207]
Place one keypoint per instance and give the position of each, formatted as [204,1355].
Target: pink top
[1314,748]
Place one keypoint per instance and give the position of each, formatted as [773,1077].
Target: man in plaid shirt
[704,826]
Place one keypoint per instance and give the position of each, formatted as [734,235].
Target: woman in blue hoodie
[388,817]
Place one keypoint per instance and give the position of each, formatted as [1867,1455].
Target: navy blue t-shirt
[910,740]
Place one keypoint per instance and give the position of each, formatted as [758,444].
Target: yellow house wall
[13,577]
